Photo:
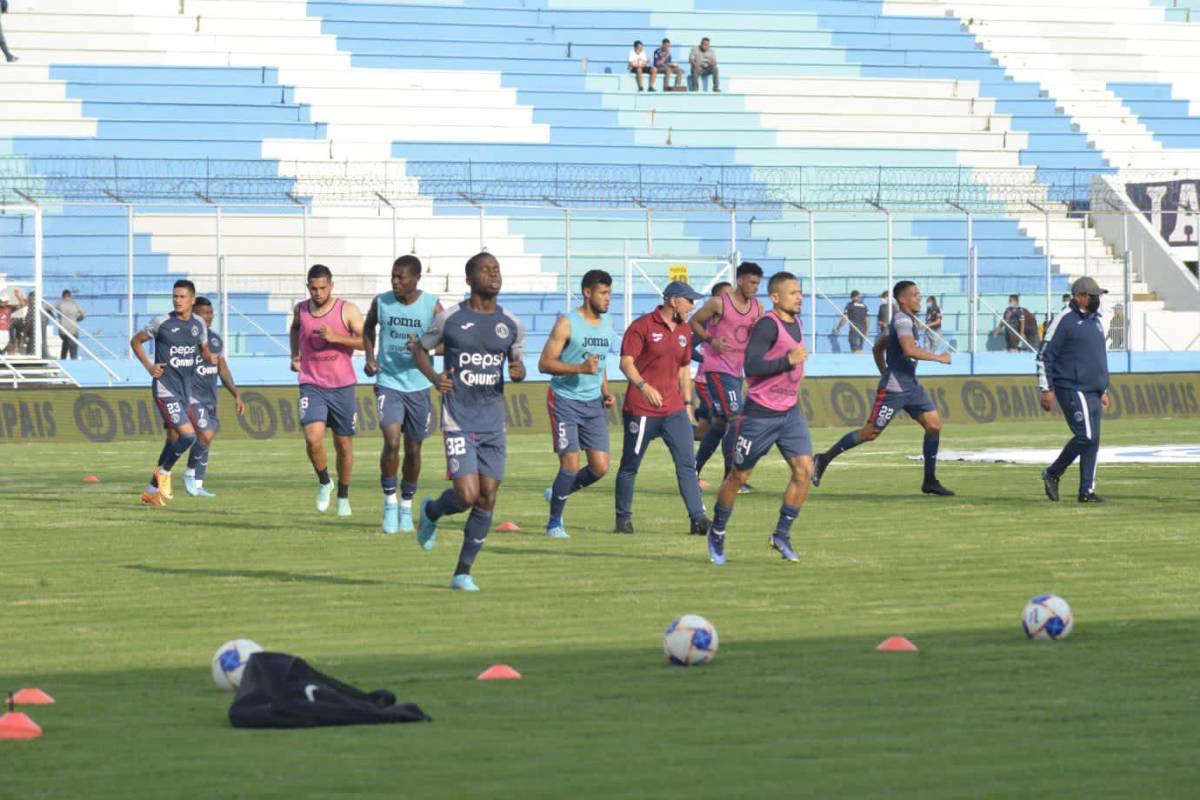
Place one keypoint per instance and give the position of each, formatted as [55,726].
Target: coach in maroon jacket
[656,356]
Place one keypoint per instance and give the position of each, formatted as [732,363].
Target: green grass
[116,610]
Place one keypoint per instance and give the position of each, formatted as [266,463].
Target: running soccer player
[898,389]
[203,403]
[576,356]
[723,324]
[401,391]
[477,335]
[700,383]
[325,333]
[180,341]
[775,357]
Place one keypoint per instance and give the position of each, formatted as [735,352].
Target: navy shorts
[753,437]
[577,424]
[724,394]
[475,453]
[856,341]
[703,404]
[412,410]
[172,405]
[888,402]
[204,417]
[336,408]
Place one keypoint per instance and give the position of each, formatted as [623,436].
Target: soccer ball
[229,661]
[690,641]
[1047,616]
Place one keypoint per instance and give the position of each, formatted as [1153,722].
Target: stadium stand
[1023,99]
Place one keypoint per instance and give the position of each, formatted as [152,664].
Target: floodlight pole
[388,203]
[812,274]
[972,299]
[304,229]
[1046,214]
[887,215]
[128,258]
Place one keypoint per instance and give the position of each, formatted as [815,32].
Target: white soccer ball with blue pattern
[690,641]
[1047,616]
[230,660]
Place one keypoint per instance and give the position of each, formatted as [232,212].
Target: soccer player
[723,325]
[775,357]
[203,403]
[1072,367]
[325,333]
[575,356]
[477,336]
[704,415]
[898,389]
[180,340]
[401,391]
[655,358]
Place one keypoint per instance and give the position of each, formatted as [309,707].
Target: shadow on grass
[279,576]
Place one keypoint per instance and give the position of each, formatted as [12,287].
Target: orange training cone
[499,672]
[16,726]
[90,478]
[896,644]
[32,697]
[508,527]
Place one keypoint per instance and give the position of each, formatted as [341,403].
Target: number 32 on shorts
[456,446]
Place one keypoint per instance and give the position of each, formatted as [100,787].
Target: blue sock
[583,479]
[721,515]
[787,515]
[165,452]
[559,492]
[850,440]
[177,448]
[389,488]
[930,451]
[407,490]
[198,459]
[474,532]
[709,444]
[445,505]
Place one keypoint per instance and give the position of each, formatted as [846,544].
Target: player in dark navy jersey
[180,342]
[896,354]
[477,337]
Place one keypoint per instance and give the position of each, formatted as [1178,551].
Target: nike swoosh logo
[468,325]
[477,541]
[562,496]
[310,691]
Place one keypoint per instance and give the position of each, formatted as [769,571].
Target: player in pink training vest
[723,324]
[325,333]
[775,357]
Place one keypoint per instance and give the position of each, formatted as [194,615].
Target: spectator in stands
[1116,328]
[884,316]
[639,63]
[3,44]
[664,64]
[1013,324]
[855,313]
[933,325]
[10,302]
[70,314]
[704,65]
[28,316]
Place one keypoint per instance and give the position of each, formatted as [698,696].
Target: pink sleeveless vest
[778,392]
[323,364]
[735,327]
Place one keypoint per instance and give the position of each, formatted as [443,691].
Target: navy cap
[681,289]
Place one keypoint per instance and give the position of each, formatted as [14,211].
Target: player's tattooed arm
[877,353]
[294,337]
[710,309]
[230,386]
[908,344]
[352,317]
[136,345]
[368,337]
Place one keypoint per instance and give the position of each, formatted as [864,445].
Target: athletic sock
[474,532]
[559,491]
[709,445]
[583,479]
[190,472]
[847,442]
[323,476]
[198,461]
[343,491]
[721,515]
[177,448]
[787,515]
[407,492]
[389,490]
[165,452]
[446,504]
[930,451]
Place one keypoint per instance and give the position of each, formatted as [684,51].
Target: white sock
[189,473]
[151,489]
[200,484]
[389,499]
[405,503]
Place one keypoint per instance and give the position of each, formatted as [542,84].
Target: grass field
[116,610]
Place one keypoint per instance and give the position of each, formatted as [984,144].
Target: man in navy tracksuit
[1072,367]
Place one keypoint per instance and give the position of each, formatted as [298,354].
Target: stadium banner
[1170,207]
[107,415]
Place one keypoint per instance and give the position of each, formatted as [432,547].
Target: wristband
[641,385]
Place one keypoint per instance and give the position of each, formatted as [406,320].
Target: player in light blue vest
[401,391]
[575,356]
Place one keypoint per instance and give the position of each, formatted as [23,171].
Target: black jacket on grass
[282,691]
